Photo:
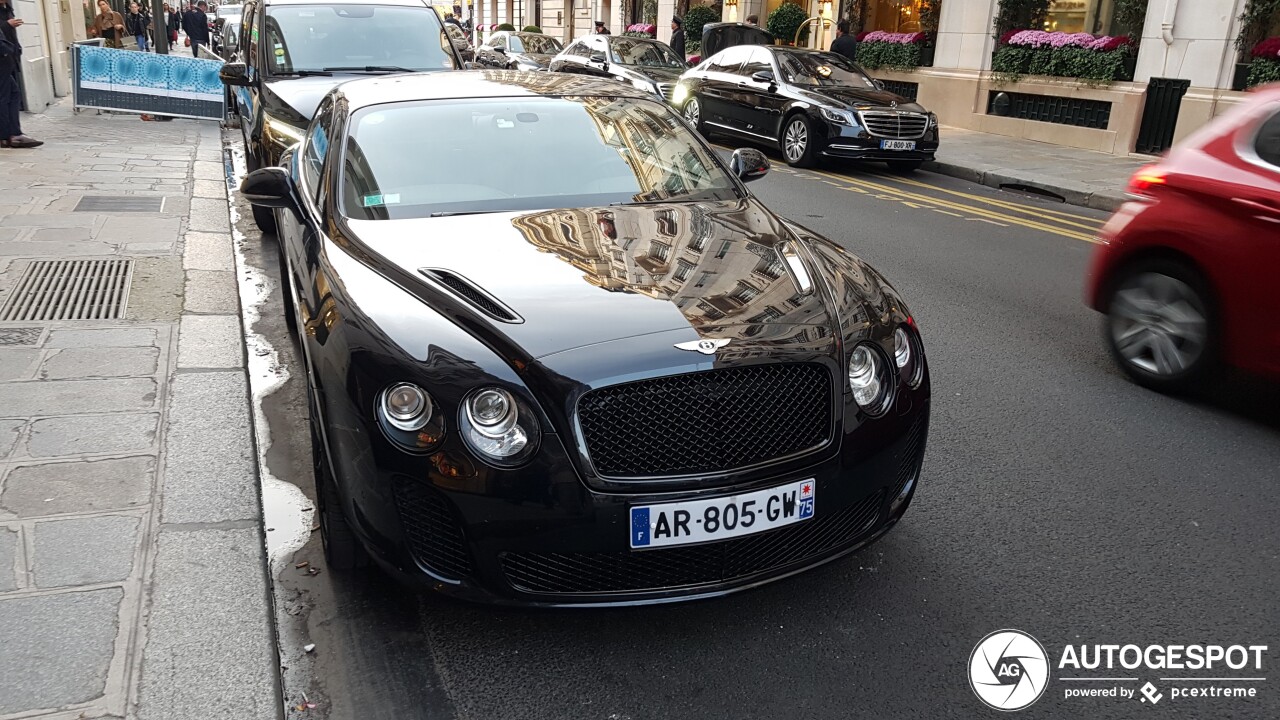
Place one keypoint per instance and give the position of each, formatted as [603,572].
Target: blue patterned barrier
[133,81]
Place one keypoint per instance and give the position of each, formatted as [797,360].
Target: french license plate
[721,518]
[897,144]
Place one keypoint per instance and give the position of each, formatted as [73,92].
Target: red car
[1188,273]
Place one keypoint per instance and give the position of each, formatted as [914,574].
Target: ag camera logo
[1008,670]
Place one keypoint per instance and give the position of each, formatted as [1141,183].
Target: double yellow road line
[994,210]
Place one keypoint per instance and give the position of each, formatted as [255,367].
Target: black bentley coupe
[618,380]
[807,103]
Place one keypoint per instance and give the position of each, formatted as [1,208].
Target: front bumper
[855,143]
[539,536]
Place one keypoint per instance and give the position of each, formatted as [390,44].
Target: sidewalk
[1081,177]
[132,572]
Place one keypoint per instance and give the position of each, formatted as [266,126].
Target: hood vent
[469,291]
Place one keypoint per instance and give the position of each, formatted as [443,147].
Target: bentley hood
[573,278]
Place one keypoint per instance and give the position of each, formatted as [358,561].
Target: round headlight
[901,349]
[406,406]
[495,429]
[866,379]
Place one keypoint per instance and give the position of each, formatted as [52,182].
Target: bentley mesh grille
[678,567]
[707,422]
[431,526]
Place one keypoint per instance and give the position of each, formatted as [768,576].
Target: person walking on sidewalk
[195,23]
[138,24]
[10,91]
[108,25]
[845,44]
[172,23]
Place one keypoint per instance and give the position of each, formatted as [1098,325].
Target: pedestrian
[845,44]
[138,24]
[677,37]
[10,89]
[172,23]
[449,18]
[108,25]
[601,28]
[753,19]
[195,23]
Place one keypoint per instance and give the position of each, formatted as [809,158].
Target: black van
[293,52]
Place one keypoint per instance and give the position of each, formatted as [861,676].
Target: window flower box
[1093,59]
[895,51]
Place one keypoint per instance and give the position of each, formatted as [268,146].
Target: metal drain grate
[20,336]
[70,290]
[121,203]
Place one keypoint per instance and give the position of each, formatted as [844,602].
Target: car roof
[477,84]
[400,3]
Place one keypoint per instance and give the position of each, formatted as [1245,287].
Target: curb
[1106,201]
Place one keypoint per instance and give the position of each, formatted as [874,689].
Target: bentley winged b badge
[706,346]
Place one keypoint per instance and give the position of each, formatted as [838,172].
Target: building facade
[1186,45]
[50,27]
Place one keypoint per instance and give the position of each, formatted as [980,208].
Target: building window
[683,269]
[744,293]
[724,248]
[770,267]
[659,251]
[894,15]
[1073,16]
[702,279]
[698,242]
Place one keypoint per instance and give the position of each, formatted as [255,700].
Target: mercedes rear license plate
[897,144]
[698,521]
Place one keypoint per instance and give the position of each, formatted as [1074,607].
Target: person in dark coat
[10,91]
[845,44]
[601,28]
[138,24]
[677,37]
[195,23]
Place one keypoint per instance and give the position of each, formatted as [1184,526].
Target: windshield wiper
[300,73]
[447,213]
[371,68]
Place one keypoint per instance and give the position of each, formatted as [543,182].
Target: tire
[905,167]
[342,549]
[692,112]
[1161,325]
[796,142]
[263,217]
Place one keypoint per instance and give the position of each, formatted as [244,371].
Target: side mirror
[879,84]
[234,74]
[748,164]
[500,51]
[599,59]
[763,76]
[269,187]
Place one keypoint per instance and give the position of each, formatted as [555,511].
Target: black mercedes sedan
[807,103]
[618,380]
[518,51]
[644,64]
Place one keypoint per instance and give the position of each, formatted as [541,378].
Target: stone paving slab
[102,338]
[73,487]
[8,559]
[210,474]
[92,435]
[27,399]
[210,341]
[93,363]
[227,593]
[85,551]
[208,251]
[57,648]
[212,292]
[15,363]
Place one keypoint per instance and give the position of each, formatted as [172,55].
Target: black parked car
[647,65]
[807,103]
[718,36]
[292,52]
[518,51]
[619,379]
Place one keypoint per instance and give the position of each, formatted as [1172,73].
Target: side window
[313,152]
[513,42]
[730,61]
[499,41]
[759,60]
[578,49]
[599,45]
[1268,143]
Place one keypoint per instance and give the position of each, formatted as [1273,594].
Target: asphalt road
[1056,498]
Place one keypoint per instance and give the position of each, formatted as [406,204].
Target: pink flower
[894,38]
